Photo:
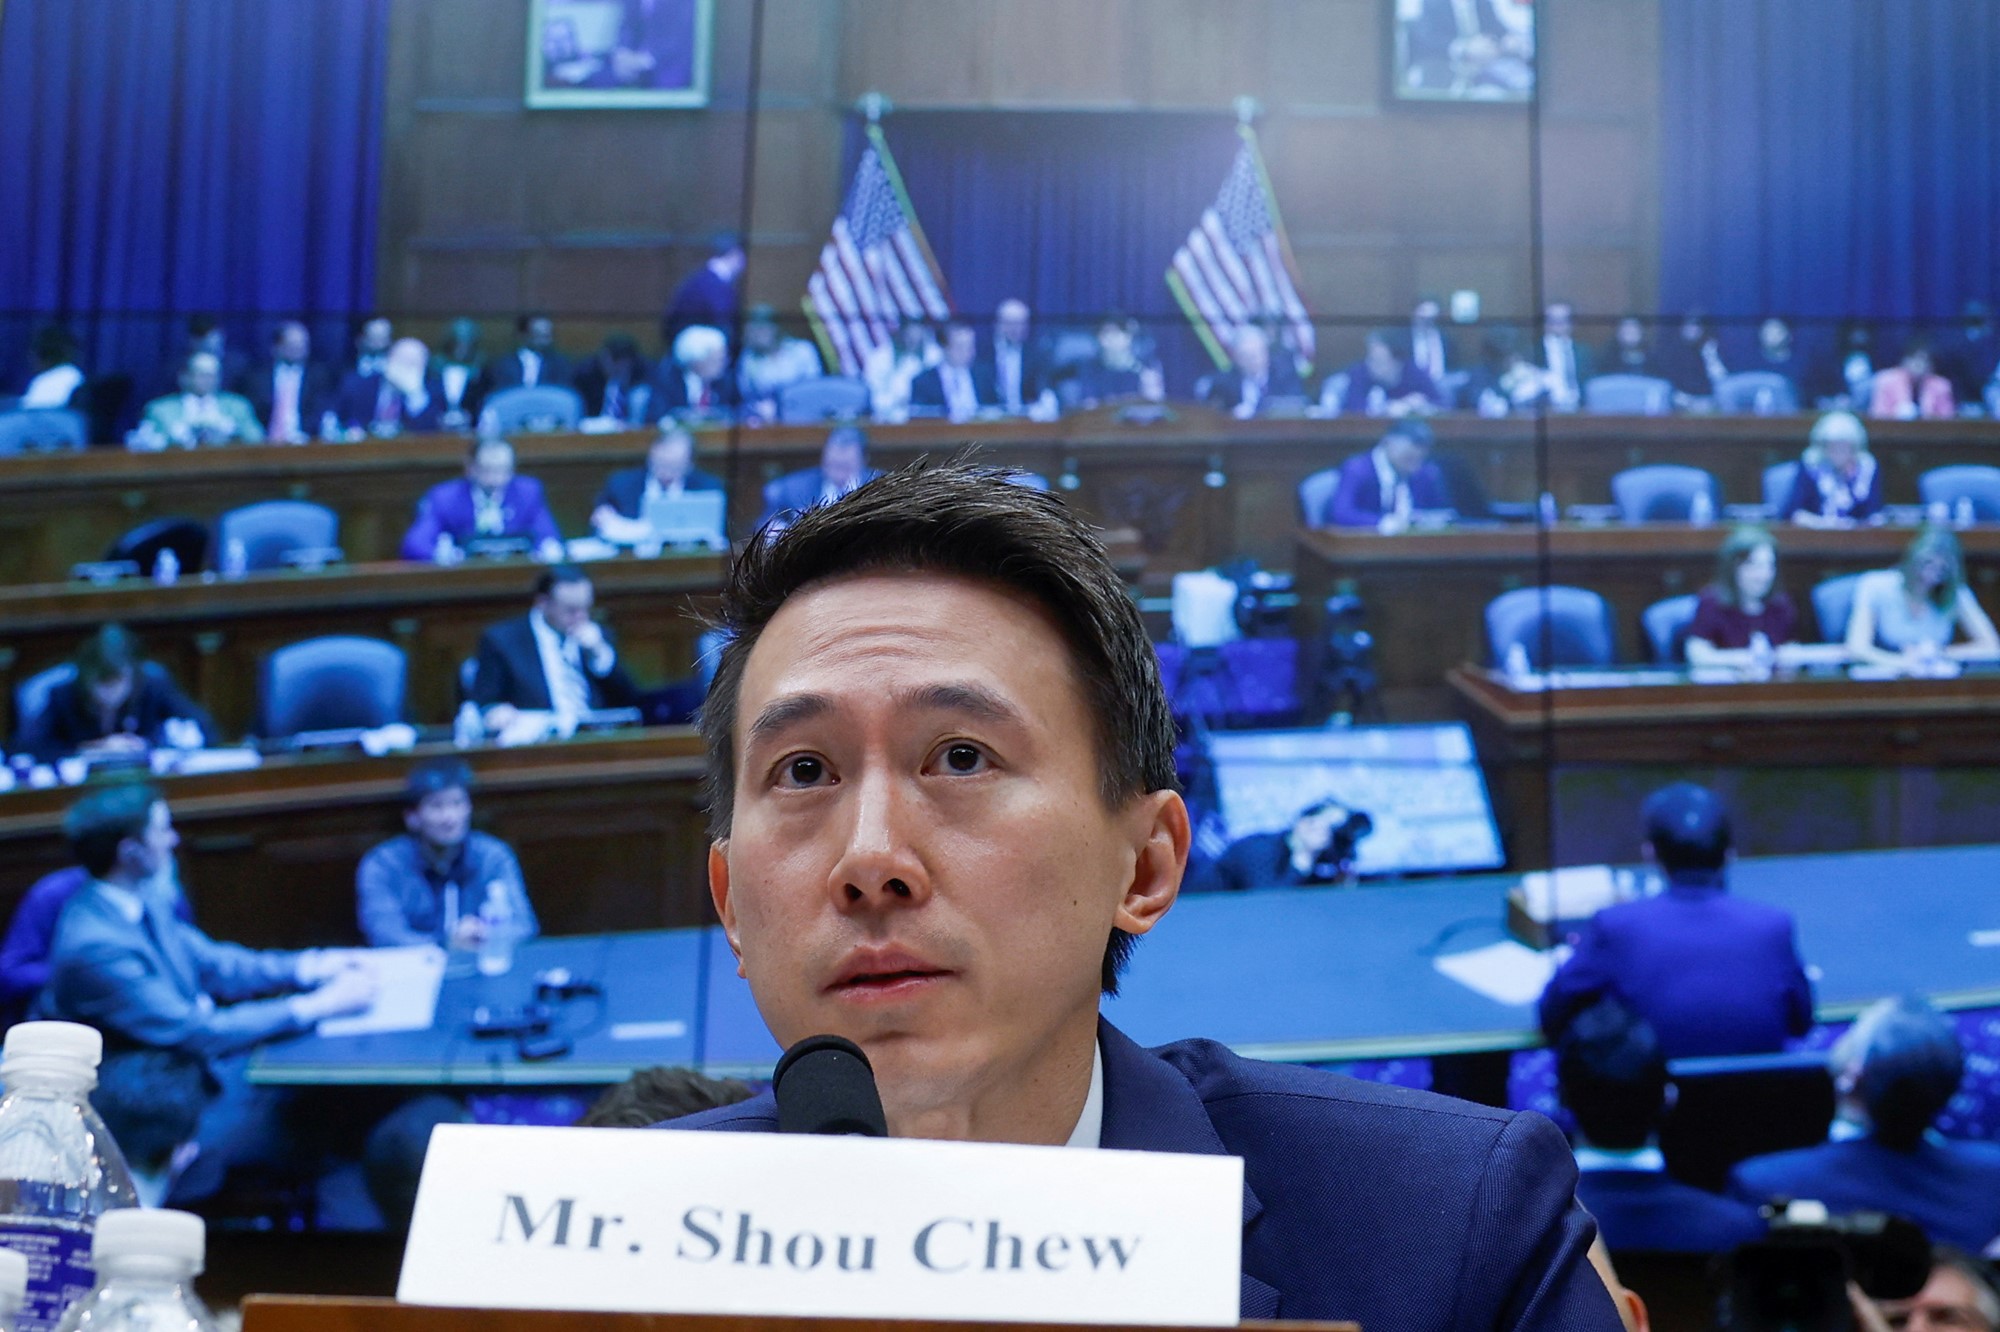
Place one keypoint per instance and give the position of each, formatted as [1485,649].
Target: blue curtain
[163,157]
[1077,213]
[1827,158]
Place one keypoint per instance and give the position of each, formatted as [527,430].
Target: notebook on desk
[692,518]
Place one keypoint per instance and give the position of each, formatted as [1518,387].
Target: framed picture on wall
[1464,50]
[619,53]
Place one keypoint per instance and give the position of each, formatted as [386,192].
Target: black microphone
[825,1085]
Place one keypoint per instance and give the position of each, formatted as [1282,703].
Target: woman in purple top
[1741,604]
[1838,483]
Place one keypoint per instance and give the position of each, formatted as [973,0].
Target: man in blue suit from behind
[941,781]
[1895,1070]
[843,466]
[1711,973]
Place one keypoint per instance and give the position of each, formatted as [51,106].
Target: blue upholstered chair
[333,683]
[1666,624]
[1662,492]
[1556,626]
[275,528]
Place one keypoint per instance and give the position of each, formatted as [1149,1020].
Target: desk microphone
[825,1085]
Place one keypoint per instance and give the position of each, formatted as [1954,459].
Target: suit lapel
[1149,1107]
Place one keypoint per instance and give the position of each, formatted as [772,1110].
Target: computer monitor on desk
[693,518]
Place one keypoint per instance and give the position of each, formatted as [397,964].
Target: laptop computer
[692,518]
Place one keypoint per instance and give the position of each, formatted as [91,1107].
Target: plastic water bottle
[1962,513]
[235,558]
[1549,513]
[167,568]
[60,1172]
[496,944]
[1762,656]
[468,728]
[1701,509]
[13,1288]
[1516,664]
[147,1260]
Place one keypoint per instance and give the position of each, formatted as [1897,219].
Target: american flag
[1235,267]
[875,271]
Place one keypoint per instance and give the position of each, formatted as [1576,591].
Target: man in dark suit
[488,503]
[619,514]
[1385,381]
[942,777]
[1894,1071]
[290,393]
[1248,386]
[1016,364]
[1711,973]
[708,295]
[1614,1083]
[614,384]
[843,466]
[404,397]
[116,702]
[694,379]
[959,386]
[1567,364]
[535,361]
[1384,486]
[556,658]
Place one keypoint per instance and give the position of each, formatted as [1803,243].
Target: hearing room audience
[1921,611]
[488,504]
[1838,483]
[441,881]
[1742,604]
[113,702]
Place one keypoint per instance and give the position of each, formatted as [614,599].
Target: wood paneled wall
[490,207]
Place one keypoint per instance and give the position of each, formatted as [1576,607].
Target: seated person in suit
[1613,1081]
[1019,365]
[57,375]
[1911,389]
[124,961]
[1838,483]
[201,413]
[1711,974]
[115,703]
[616,383]
[843,466]
[1318,848]
[771,363]
[1255,376]
[1117,374]
[1505,381]
[694,379]
[440,881]
[461,370]
[942,772]
[535,361]
[619,514]
[1567,363]
[554,658]
[488,503]
[1743,603]
[958,386]
[1910,615]
[1894,1071]
[1778,354]
[372,339]
[31,934]
[1384,486]
[1384,382]
[1630,351]
[290,392]
[1960,1296]
[404,397]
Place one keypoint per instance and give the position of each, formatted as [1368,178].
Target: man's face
[202,376]
[1384,366]
[1560,318]
[1114,343]
[840,461]
[760,335]
[669,458]
[960,344]
[491,468]
[376,336]
[921,859]
[1010,322]
[540,334]
[153,850]
[1947,1303]
[441,819]
[1252,354]
[1425,314]
[1631,334]
[1918,363]
[294,343]
[566,606]
[1774,336]
[1405,454]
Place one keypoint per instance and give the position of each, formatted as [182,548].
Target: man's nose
[879,865]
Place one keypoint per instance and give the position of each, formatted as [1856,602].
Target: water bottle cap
[13,1280]
[67,1041]
[149,1232]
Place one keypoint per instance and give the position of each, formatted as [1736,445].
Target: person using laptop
[556,658]
[619,515]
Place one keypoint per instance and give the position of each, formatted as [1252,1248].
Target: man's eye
[804,770]
[964,758]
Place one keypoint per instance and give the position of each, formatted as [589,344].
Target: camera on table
[1796,1277]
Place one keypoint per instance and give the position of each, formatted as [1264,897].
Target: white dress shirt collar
[1089,1130]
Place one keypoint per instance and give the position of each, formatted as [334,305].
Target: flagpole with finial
[1248,111]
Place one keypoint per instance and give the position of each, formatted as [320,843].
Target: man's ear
[718,893]
[1159,822]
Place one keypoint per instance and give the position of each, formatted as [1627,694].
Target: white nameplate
[754,1223]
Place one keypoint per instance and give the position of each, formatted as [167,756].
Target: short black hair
[98,823]
[1688,827]
[435,775]
[963,519]
[151,1098]
[553,577]
[1611,1075]
[652,1095]
[1910,1070]
[107,654]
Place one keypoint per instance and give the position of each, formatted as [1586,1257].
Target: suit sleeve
[379,907]
[1798,988]
[232,973]
[491,677]
[122,990]
[1350,507]
[1525,1257]
[614,686]
[541,523]
[173,705]
[420,542]
[1578,983]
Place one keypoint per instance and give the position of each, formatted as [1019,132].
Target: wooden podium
[309,1313]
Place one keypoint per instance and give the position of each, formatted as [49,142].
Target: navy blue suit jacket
[625,490]
[1357,500]
[1713,974]
[1951,1189]
[1649,1211]
[1397,1208]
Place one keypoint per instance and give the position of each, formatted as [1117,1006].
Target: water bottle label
[59,1270]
